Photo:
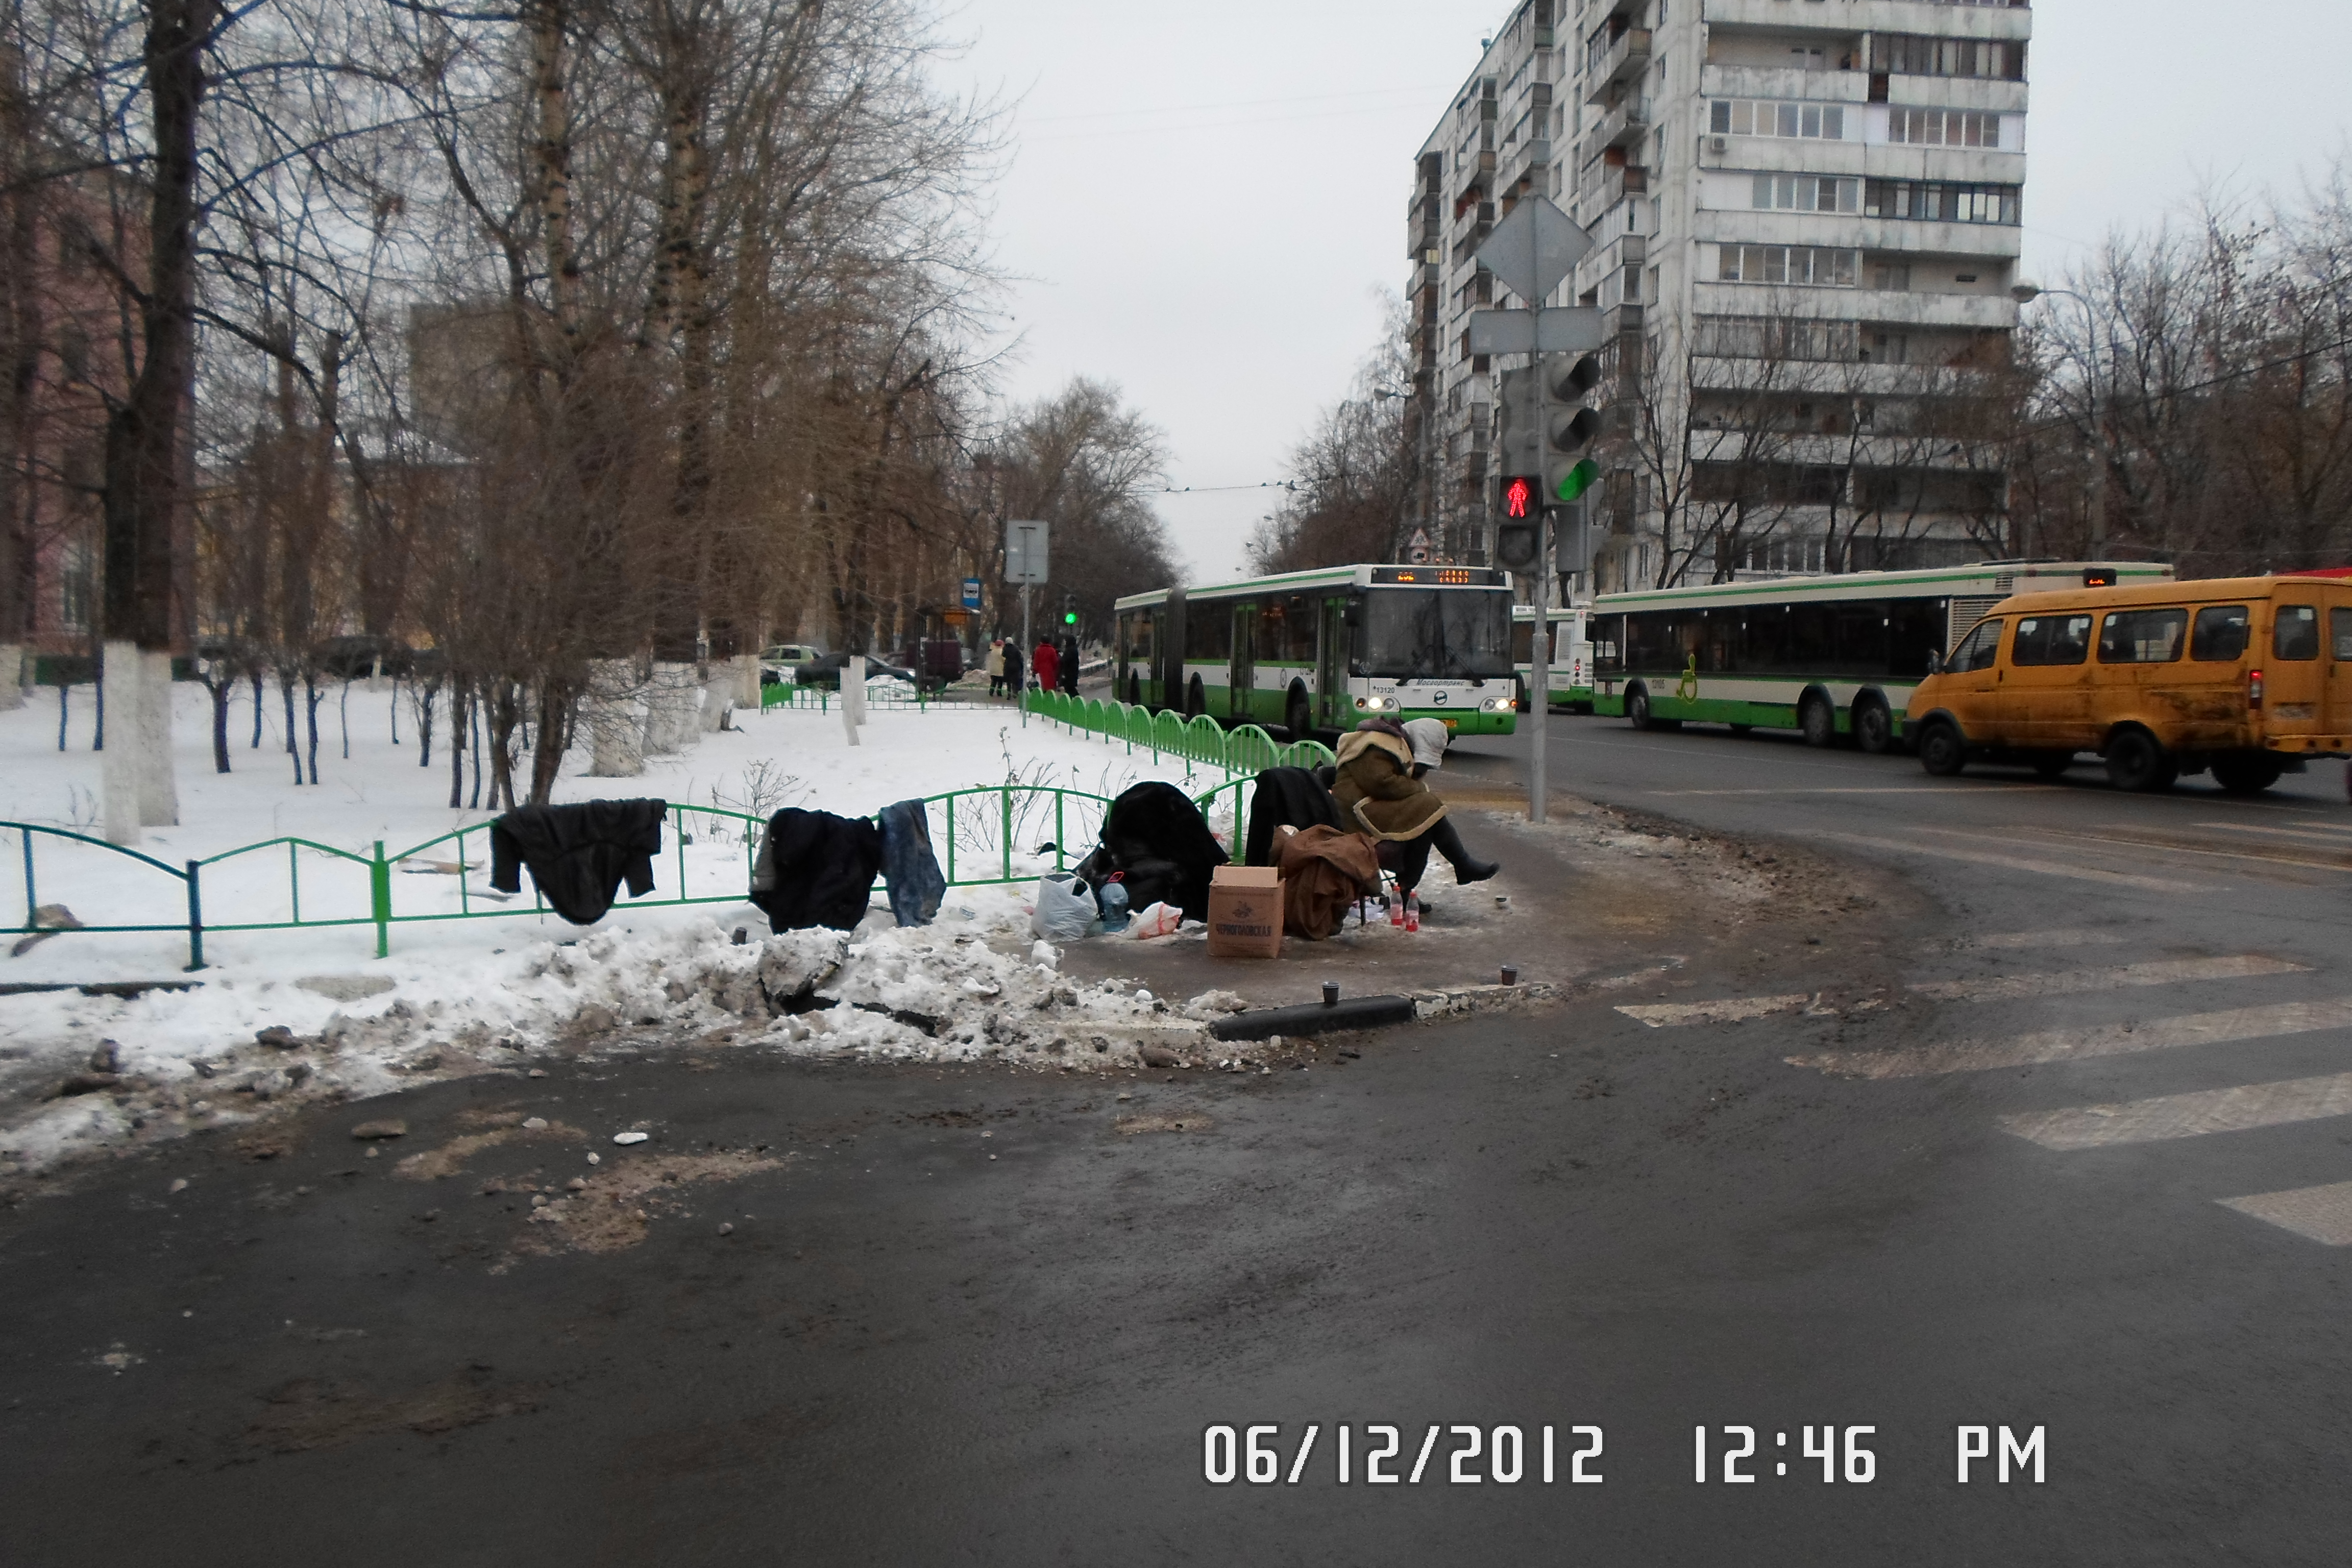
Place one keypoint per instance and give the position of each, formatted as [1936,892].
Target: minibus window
[2295,634]
[2142,637]
[2339,631]
[2051,639]
[2221,633]
[1977,649]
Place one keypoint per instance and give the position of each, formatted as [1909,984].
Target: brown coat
[1375,787]
[1324,870]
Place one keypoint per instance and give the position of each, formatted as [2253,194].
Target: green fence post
[380,894]
[1005,793]
[195,917]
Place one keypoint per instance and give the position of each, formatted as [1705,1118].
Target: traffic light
[1069,610]
[1515,531]
[1569,426]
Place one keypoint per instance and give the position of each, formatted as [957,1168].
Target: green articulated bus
[1571,653]
[1830,656]
[1321,650]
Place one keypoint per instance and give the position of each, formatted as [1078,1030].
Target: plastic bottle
[1396,910]
[1412,911]
[1112,898]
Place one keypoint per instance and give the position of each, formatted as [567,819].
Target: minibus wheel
[2134,761]
[1941,751]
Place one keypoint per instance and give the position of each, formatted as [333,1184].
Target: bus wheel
[1637,709]
[1874,727]
[1196,701]
[1818,720]
[2134,761]
[1298,716]
[1941,751]
[2245,776]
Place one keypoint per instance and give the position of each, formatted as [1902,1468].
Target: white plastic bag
[1064,910]
[1155,920]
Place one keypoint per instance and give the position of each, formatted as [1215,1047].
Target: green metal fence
[1245,749]
[984,837]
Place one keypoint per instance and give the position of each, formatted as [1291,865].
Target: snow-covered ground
[465,995]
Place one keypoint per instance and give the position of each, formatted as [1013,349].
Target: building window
[1935,201]
[1775,337]
[1894,277]
[1912,54]
[1806,193]
[75,583]
[1803,264]
[1944,127]
[1747,117]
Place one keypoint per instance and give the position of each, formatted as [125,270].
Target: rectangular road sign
[1559,329]
[1024,551]
[971,593]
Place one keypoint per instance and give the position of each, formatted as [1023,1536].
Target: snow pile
[111,1072]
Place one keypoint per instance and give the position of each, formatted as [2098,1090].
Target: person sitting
[1378,784]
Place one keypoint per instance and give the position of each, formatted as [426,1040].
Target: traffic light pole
[1540,655]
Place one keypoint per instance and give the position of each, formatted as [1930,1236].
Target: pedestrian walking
[1012,668]
[996,666]
[1046,664]
[1069,665]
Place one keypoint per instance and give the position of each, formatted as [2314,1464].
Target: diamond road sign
[1534,248]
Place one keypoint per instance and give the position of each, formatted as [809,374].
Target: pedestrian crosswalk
[2320,1213]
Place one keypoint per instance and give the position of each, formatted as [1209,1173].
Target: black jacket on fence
[578,855]
[814,868]
[1156,834]
[1287,798]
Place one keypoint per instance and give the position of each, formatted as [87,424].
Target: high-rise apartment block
[1806,215]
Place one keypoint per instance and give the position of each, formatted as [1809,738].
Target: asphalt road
[968,1317]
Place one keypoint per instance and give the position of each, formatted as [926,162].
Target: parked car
[826,671]
[783,661]
[356,658]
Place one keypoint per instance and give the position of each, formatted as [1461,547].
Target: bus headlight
[1377,704]
[1498,704]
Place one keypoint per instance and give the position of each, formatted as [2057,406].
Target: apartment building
[1807,224]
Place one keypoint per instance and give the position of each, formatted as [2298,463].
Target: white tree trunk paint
[118,763]
[159,788]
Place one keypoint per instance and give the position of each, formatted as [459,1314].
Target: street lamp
[2025,291]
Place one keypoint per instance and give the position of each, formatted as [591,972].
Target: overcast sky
[1207,196]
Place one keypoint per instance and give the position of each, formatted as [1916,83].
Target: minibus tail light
[2253,688]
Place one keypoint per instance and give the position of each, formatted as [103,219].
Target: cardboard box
[1245,912]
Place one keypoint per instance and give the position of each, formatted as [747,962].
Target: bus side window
[2295,634]
[2339,631]
[2220,637]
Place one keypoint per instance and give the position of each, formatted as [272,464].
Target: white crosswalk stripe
[2239,1109]
[1993,988]
[2066,983]
[2020,863]
[2322,1213]
[2102,1041]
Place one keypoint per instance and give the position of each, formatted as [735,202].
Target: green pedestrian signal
[1069,617]
[1576,481]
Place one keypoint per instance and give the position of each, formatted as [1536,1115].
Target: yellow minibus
[2243,675]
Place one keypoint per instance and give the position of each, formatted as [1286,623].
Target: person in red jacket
[1046,664]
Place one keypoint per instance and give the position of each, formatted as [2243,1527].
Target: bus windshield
[1436,634]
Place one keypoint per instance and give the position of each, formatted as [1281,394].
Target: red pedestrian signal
[1518,495]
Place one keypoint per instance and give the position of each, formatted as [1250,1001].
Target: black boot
[1467,869]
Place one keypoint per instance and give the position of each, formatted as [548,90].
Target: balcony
[1520,161]
[1615,183]
[1626,59]
[1967,20]
[1476,174]
[1620,127]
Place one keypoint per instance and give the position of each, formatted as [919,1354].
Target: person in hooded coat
[1046,664]
[1378,783]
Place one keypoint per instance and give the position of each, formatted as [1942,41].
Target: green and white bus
[1323,649]
[1830,656]
[1572,654]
